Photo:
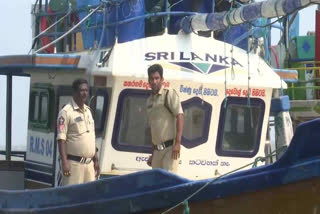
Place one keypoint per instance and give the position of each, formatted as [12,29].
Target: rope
[263,159]
[266,44]
[69,31]
[228,16]
[232,69]
[231,51]
[34,7]
[193,31]
[275,56]
[225,71]
[185,201]
[256,161]
[281,89]
[275,8]
[248,93]
[266,25]
[178,2]
[88,21]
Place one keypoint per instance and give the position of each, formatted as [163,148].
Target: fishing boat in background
[216,56]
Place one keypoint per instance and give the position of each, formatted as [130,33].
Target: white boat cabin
[224,127]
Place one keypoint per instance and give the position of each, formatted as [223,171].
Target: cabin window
[131,131]
[34,110]
[44,107]
[63,100]
[197,115]
[240,126]
[39,108]
[98,112]
[99,106]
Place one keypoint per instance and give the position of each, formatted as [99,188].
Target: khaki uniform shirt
[76,127]
[163,122]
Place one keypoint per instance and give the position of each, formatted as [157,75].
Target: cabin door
[98,102]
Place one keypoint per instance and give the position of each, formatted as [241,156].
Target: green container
[305,47]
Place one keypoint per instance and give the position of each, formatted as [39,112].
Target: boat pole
[9,116]
[317,49]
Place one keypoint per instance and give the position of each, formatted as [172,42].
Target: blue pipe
[266,48]
[249,12]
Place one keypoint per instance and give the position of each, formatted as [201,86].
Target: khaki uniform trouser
[79,173]
[163,159]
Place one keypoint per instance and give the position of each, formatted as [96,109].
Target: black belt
[163,145]
[79,159]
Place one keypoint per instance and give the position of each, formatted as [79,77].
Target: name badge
[78,119]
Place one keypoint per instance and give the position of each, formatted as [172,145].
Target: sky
[15,39]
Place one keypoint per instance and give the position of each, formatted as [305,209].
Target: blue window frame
[131,132]
[240,125]
[197,116]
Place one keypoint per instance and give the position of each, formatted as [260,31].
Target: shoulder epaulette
[66,107]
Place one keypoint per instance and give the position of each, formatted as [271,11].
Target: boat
[289,185]
[228,94]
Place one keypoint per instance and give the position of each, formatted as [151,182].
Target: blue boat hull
[291,185]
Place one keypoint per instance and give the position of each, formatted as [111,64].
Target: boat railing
[307,86]
[16,154]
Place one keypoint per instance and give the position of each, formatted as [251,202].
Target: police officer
[165,117]
[76,138]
